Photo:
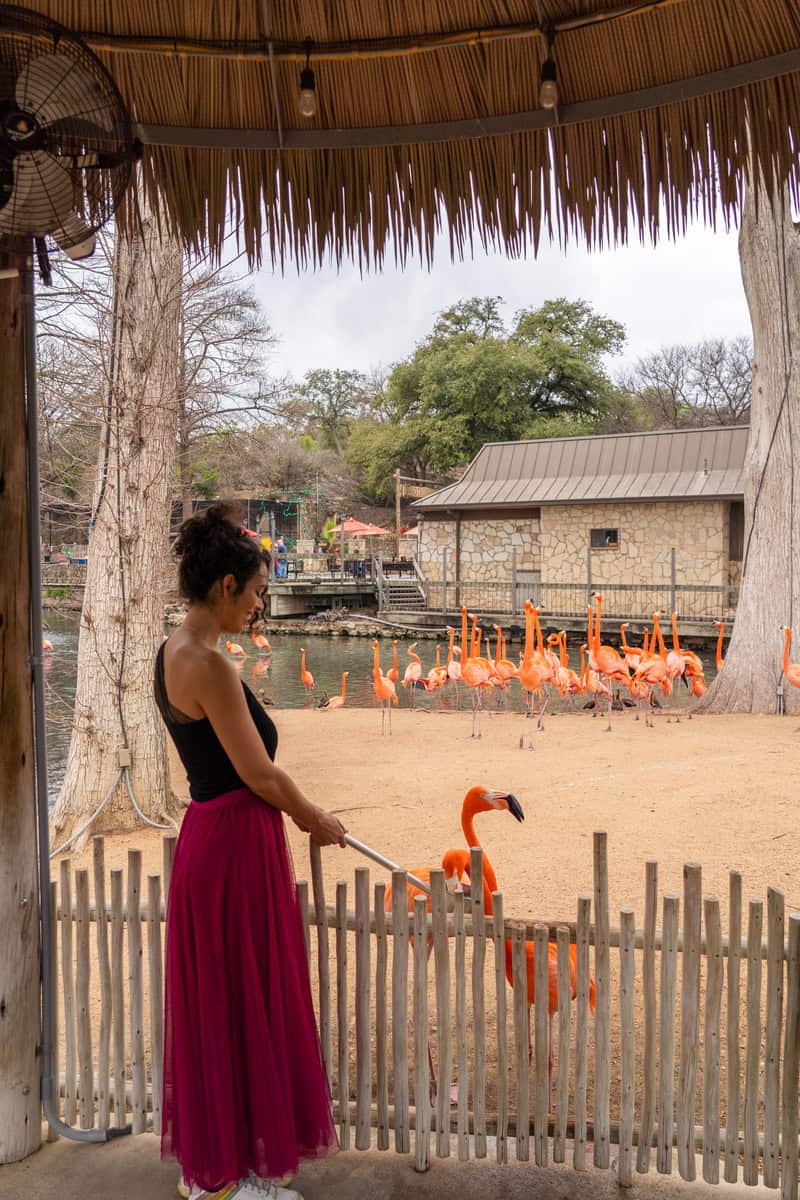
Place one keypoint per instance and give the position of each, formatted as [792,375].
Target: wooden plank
[666,1065]
[562,1075]
[772,1044]
[156,986]
[753,1050]
[602,1018]
[649,1073]
[711,1039]
[323,965]
[422,1133]
[68,981]
[441,953]
[381,1022]
[462,1116]
[302,900]
[500,983]
[82,1013]
[690,1016]
[732,1053]
[478,1005]
[627,981]
[136,991]
[342,1016]
[363,1022]
[104,977]
[52,1136]
[519,983]
[402,1133]
[117,997]
[542,1048]
[791,1064]
[581,1029]
[168,843]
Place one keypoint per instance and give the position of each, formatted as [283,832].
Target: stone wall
[486,547]
[698,529]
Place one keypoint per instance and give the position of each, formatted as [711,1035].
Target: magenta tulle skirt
[244,1080]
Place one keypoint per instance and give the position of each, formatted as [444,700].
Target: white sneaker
[263,1189]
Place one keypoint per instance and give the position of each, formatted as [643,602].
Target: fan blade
[74,238]
[11,219]
[43,199]
[55,87]
[77,129]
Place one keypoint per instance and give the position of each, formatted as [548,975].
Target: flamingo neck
[719,659]
[786,648]
[590,630]
[394,655]
[468,828]
[675,643]
[597,624]
[450,647]
[344,686]
[464,633]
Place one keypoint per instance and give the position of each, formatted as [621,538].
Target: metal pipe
[39,732]
[385,862]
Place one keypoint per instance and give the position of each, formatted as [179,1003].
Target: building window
[736,531]
[604,539]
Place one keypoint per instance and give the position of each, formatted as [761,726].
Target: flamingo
[235,649]
[261,642]
[607,660]
[475,671]
[453,666]
[484,800]
[532,672]
[47,646]
[547,662]
[632,654]
[691,667]
[337,701]
[652,670]
[306,678]
[413,672]
[478,799]
[790,670]
[383,687]
[504,669]
[719,660]
[393,672]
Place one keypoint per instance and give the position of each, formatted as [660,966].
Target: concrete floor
[131,1169]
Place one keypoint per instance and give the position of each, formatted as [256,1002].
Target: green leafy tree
[326,403]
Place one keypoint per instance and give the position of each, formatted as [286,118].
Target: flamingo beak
[511,803]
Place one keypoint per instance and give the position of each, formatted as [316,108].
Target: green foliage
[325,403]
[57,593]
[205,481]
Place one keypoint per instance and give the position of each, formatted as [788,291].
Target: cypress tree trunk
[122,616]
[769,249]
[20,1127]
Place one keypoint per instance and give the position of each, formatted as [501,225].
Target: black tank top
[207,766]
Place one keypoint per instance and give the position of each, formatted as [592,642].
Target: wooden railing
[671,1005]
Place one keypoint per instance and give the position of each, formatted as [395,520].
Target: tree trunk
[20,1126]
[122,617]
[769,249]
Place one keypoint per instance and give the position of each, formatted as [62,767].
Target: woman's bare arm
[219,692]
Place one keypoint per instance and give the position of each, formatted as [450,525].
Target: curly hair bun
[211,545]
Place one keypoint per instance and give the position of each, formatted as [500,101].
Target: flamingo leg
[542,710]
[383,717]
[610,701]
[389,706]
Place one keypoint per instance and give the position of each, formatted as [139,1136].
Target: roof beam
[729,78]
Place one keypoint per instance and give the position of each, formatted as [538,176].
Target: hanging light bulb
[308,90]
[548,94]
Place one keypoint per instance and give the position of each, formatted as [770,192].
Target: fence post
[513,581]
[673,571]
[444,579]
[589,574]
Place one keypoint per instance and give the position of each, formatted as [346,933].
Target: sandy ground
[713,790]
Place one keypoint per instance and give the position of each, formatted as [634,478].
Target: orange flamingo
[692,667]
[306,678]
[337,701]
[393,671]
[413,672]
[261,642]
[453,664]
[235,649]
[383,687]
[719,660]
[607,660]
[532,672]
[484,800]
[631,654]
[47,646]
[652,670]
[475,672]
[477,799]
[790,670]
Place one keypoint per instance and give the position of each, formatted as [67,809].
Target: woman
[245,1090]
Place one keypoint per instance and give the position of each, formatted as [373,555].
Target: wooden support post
[444,579]
[673,576]
[20,1127]
[513,581]
[588,574]
[397,512]
[458,560]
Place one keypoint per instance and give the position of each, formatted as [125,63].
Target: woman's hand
[325,828]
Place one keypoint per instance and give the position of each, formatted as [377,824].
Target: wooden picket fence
[643,1074]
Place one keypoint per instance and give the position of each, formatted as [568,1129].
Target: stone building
[607,510]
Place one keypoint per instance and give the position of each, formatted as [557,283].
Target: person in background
[48,553]
[245,1090]
[281,566]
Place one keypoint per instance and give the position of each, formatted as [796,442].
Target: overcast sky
[678,292]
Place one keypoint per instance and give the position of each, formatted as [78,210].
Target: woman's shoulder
[206,665]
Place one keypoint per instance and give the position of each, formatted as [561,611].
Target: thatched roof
[429,120]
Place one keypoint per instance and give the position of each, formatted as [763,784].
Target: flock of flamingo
[628,677]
